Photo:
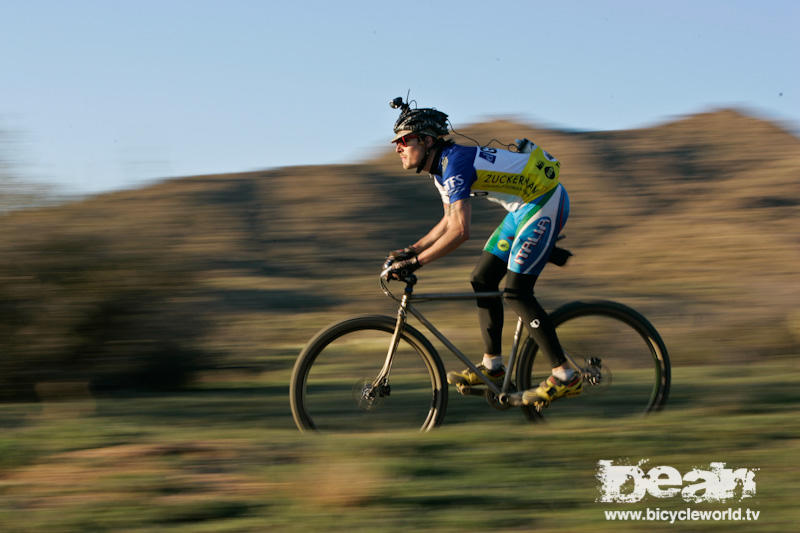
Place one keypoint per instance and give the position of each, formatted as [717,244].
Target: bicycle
[401,379]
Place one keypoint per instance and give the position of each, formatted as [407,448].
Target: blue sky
[102,95]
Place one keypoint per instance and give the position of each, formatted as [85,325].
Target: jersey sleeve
[458,174]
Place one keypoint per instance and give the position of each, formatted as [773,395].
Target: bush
[75,308]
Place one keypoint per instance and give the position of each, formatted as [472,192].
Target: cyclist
[527,185]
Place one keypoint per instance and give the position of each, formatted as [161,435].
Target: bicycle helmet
[424,121]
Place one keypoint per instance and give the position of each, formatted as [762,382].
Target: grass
[226,457]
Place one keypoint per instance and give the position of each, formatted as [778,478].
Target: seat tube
[512,359]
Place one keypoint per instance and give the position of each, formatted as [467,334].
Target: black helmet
[425,121]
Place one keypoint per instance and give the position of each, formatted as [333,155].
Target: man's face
[411,149]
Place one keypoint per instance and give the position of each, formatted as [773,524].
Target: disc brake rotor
[596,375]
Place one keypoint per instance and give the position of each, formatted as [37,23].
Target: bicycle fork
[380,384]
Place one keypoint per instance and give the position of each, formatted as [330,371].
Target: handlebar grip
[402,275]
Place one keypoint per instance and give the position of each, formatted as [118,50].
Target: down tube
[450,346]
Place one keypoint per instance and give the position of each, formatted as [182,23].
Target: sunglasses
[403,141]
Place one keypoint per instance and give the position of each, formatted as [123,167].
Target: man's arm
[448,234]
[433,235]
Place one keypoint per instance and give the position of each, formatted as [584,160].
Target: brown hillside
[693,222]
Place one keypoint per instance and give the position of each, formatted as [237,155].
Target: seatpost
[512,359]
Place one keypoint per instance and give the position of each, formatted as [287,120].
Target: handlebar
[402,275]
[409,278]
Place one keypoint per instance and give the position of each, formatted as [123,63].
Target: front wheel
[332,386]
[622,357]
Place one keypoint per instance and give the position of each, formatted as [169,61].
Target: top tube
[454,296]
[438,296]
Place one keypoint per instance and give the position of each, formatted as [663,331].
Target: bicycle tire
[355,349]
[609,331]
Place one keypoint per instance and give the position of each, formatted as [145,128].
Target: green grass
[226,457]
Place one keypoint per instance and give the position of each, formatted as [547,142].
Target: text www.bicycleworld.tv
[688,514]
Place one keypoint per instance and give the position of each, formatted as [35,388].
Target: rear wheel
[332,386]
[621,355]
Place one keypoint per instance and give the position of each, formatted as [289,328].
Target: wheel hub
[368,396]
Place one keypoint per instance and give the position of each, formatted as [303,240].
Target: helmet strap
[424,160]
[436,151]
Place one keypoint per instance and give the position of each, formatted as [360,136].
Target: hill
[693,222]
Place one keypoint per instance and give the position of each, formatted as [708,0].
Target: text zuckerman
[629,484]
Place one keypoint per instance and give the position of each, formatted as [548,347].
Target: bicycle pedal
[539,405]
[467,390]
[515,400]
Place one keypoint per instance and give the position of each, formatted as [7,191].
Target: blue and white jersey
[512,179]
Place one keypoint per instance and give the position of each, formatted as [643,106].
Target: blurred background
[189,191]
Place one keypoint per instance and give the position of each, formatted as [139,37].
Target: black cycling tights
[519,295]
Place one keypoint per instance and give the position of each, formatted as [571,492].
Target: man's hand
[400,269]
[401,254]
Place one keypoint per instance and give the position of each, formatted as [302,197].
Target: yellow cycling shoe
[552,389]
[467,378]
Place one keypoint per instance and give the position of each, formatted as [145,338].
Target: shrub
[75,308]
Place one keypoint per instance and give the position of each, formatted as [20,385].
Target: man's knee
[487,273]
[519,301]
[481,282]
[519,288]
[511,295]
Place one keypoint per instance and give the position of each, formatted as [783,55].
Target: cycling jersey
[526,184]
[512,179]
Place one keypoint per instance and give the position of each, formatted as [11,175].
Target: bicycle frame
[407,307]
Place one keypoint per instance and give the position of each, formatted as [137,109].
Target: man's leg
[519,295]
[564,381]
[486,278]
[535,237]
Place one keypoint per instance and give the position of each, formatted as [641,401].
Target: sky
[104,95]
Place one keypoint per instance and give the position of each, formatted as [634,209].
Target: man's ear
[429,141]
